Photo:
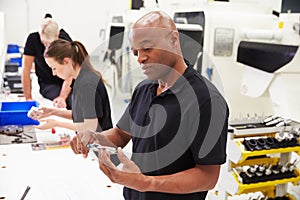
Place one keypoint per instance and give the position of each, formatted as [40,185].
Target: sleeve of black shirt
[64,35]
[29,48]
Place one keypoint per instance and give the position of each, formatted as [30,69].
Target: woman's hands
[47,124]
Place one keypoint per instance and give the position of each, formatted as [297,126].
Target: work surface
[52,174]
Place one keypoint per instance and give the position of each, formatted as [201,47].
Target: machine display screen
[190,44]
[116,37]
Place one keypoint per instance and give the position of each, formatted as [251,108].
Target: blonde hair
[49,29]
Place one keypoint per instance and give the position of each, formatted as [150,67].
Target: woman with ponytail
[91,106]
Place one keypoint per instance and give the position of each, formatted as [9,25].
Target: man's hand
[126,175]
[80,141]
[59,102]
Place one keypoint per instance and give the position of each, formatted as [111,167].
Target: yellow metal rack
[246,154]
[239,158]
[267,186]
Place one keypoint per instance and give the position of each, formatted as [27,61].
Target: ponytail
[60,49]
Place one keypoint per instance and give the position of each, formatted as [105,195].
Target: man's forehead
[149,32]
[140,36]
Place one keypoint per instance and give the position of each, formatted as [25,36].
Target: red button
[53,131]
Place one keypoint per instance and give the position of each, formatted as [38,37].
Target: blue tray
[15,113]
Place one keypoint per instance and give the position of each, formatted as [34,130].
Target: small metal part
[251,126]
[274,122]
[285,122]
[248,174]
[96,147]
[268,119]
[253,168]
[268,170]
[259,173]
[261,168]
[292,166]
[11,129]
[241,127]
[295,162]
[275,169]
[264,198]
[295,132]
[27,135]
[17,140]
[288,136]
[279,136]
[284,167]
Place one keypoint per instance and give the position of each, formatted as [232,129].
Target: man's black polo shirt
[184,126]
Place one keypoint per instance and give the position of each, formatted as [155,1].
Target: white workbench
[52,174]
[56,174]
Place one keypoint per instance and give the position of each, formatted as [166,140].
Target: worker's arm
[26,81]
[46,112]
[117,136]
[60,101]
[52,123]
[88,124]
[197,179]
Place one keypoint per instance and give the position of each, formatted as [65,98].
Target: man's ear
[174,38]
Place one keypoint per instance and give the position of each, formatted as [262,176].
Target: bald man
[177,121]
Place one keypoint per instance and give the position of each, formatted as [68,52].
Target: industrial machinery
[251,53]
[219,34]
[191,32]
[258,36]
[114,58]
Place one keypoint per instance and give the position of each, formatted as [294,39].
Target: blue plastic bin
[15,113]
[13,48]
[16,60]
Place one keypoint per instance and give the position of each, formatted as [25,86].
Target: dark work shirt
[35,47]
[90,100]
[176,130]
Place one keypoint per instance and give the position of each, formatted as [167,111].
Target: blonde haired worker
[51,87]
